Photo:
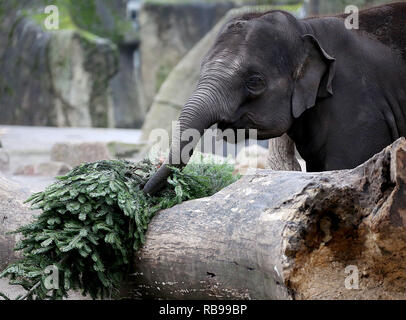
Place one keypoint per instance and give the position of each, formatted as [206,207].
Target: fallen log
[285,235]
[13,214]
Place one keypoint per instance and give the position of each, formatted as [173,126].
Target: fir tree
[93,220]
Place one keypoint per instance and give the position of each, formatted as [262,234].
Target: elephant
[339,93]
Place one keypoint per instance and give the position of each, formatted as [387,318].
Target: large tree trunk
[285,235]
[281,155]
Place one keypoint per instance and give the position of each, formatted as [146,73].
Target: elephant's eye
[255,84]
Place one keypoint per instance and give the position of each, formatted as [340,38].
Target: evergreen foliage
[94,218]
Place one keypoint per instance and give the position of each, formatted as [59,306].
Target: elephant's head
[263,71]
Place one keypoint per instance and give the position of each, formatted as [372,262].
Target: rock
[13,214]
[126,86]
[55,78]
[75,61]
[107,19]
[81,75]
[27,170]
[75,154]
[168,32]
[4,160]
[24,73]
[181,82]
[285,235]
[252,157]
[127,91]
[50,169]
[122,150]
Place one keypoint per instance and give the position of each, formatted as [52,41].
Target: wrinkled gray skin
[340,94]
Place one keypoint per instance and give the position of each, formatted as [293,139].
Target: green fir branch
[94,218]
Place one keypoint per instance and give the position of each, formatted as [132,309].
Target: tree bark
[285,235]
[282,155]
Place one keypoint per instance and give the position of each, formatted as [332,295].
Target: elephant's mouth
[222,125]
[266,134]
[243,130]
[238,124]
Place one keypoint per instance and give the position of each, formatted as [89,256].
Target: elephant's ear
[313,78]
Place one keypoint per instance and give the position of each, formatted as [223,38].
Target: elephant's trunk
[198,114]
